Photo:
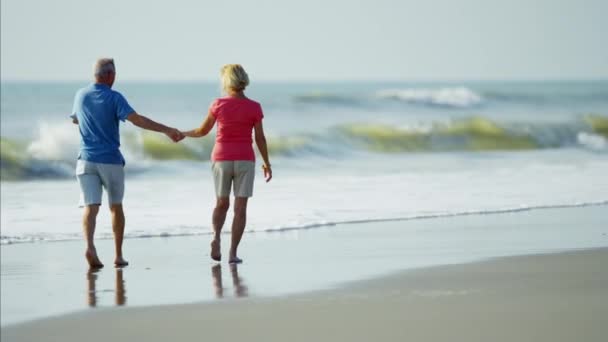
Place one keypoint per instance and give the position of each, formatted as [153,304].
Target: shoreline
[538,297]
[287,229]
[51,279]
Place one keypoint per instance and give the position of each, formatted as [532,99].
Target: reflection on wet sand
[216,274]
[240,290]
[120,297]
[91,285]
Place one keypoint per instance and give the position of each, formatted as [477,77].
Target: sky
[304,40]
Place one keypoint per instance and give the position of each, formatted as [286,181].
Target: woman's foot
[216,253]
[120,262]
[235,260]
[92,259]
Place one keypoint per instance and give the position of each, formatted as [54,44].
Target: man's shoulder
[84,90]
[117,95]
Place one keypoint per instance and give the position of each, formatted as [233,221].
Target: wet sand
[547,297]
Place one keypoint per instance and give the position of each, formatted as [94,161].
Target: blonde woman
[233,159]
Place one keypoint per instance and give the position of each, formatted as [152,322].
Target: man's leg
[113,179]
[89,220]
[238,226]
[219,217]
[90,198]
[118,226]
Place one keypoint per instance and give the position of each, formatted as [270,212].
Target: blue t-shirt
[98,109]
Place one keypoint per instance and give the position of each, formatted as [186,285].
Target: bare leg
[118,226]
[219,217]
[89,220]
[238,226]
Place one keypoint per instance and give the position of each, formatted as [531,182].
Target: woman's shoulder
[236,100]
[253,103]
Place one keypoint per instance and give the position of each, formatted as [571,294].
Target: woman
[233,159]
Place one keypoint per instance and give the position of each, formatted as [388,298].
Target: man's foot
[235,260]
[216,253]
[120,262]
[92,259]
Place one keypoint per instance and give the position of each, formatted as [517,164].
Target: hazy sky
[307,39]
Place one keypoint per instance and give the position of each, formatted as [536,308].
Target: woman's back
[236,117]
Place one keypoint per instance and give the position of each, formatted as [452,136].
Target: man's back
[97,112]
[98,109]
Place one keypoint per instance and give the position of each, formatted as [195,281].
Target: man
[97,111]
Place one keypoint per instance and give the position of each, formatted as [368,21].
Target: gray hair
[104,66]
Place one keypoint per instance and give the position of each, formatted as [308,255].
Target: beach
[529,276]
[397,210]
[418,171]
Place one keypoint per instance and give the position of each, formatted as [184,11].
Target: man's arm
[145,123]
[204,129]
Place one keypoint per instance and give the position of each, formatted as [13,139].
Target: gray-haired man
[97,112]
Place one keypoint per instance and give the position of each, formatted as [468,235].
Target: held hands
[267,172]
[174,134]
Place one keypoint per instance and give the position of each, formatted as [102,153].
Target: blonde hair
[234,77]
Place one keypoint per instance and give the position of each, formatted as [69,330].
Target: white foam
[592,141]
[180,201]
[55,142]
[451,97]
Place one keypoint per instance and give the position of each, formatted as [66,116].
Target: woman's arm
[260,140]
[205,128]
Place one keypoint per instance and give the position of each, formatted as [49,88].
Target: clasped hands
[175,134]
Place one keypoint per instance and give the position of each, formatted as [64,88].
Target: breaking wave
[457,97]
[53,153]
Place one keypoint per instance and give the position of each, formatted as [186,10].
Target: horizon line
[327,80]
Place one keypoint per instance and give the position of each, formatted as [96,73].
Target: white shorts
[92,177]
[238,173]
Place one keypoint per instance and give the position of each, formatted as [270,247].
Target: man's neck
[103,81]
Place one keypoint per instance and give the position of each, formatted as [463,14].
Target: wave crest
[456,97]
[459,97]
[53,153]
[475,134]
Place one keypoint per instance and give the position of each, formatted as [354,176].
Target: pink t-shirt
[235,119]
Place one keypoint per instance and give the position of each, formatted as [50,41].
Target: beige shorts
[241,173]
[92,177]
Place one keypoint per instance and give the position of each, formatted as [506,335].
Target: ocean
[342,152]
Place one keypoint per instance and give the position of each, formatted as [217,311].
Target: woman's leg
[238,226]
[219,217]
